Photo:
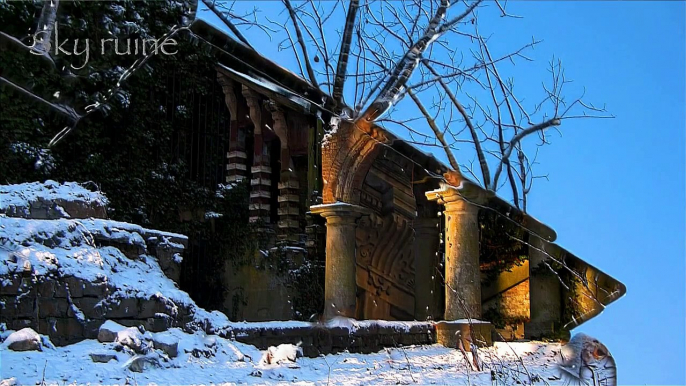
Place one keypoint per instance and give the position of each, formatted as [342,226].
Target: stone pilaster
[289,186]
[462,273]
[289,209]
[260,183]
[545,293]
[340,290]
[426,243]
[236,157]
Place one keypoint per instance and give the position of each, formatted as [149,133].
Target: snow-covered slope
[504,364]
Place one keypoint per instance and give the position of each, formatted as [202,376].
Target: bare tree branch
[301,41]
[226,21]
[402,71]
[436,130]
[475,139]
[342,67]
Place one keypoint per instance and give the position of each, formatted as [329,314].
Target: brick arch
[347,155]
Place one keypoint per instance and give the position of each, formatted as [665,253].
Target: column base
[448,333]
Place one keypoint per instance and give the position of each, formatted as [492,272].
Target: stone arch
[347,155]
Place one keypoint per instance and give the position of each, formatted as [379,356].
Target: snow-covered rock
[283,353]
[102,356]
[141,363]
[167,343]
[108,331]
[8,382]
[132,338]
[51,200]
[24,340]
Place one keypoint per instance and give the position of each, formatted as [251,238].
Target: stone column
[425,246]
[340,289]
[462,273]
[545,294]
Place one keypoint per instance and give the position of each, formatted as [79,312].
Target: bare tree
[433,52]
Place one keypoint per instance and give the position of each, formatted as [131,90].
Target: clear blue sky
[616,189]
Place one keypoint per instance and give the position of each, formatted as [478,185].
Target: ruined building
[390,232]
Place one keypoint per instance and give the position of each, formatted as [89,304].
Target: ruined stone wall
[316,340]
[57,273]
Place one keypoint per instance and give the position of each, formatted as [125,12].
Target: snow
[207,359]
[22,195]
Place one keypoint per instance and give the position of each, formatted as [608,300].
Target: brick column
[426,244]
[340,290]
[260,183]
[236,157]
[462,273]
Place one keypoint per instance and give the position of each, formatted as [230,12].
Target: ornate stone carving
[253,101]
[378,284]
[347,155]
[384,249]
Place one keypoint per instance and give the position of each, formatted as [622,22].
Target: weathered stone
[124,308]
[52,307]
[24,340]
[95,289]
[167,343]
[149,307]
[91,307]
[23,307]
[462,271]
[70,328]
[102,357]
[20,323]
[75,286]
[108,331]
[46,288]
[10,285]
[141,363]
[448,333]
[161,322]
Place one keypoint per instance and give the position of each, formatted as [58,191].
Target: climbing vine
[500,251]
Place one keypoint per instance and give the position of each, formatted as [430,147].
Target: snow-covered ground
[232,362]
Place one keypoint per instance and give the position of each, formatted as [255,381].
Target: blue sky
[616,189]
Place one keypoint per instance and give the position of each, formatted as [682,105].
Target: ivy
[499,250]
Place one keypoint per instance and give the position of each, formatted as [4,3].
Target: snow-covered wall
[64,275]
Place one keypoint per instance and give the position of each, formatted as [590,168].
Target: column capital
[451,197]
[340,212]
